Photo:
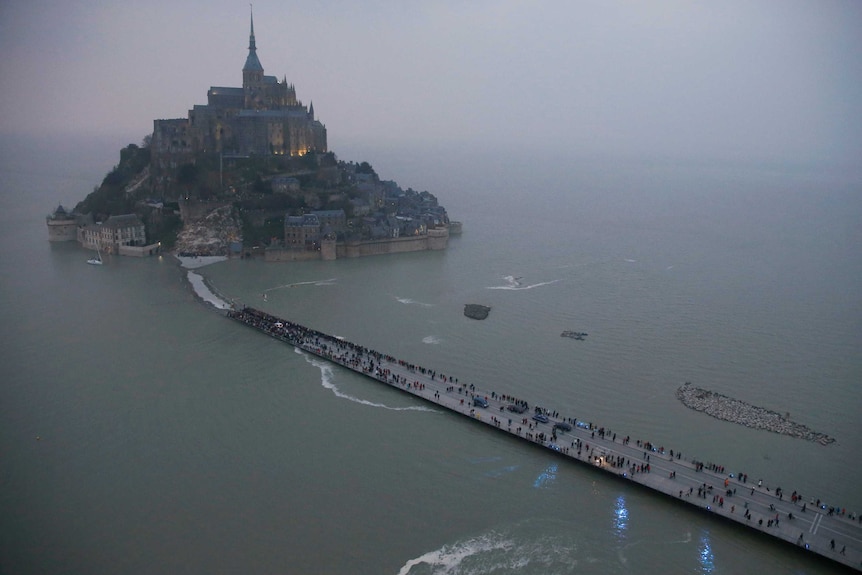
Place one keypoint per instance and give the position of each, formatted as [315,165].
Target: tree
[365,168]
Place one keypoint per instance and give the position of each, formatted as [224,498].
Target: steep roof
[123,221]
[252,64]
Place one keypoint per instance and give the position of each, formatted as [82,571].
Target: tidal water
[142,432]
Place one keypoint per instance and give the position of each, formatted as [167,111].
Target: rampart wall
[436,239]
[139,251]
[290,255]
[62,230]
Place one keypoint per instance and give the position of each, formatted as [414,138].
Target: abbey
[263,117]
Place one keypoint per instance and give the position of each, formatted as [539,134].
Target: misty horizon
[762,82]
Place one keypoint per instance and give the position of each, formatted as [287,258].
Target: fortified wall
[436,239]
[62,226]
[62,230]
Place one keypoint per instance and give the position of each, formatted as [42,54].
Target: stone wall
[62,230]
[139,251]
[290,255]
[436,239]
[328,250]
[380,247]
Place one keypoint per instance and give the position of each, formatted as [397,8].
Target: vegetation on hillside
[110,198]
[262,189]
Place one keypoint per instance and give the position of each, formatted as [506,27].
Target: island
[250,174]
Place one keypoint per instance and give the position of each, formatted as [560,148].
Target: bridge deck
[790,517]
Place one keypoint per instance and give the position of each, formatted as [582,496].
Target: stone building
[331,221]
[62,226]
[112,234]
[302,232]
[284,184]
[263,117]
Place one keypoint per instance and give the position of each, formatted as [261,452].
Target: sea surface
[142,432]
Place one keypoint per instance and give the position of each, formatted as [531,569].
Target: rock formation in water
[476,311]
[736,411]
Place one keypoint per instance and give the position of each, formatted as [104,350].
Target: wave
[328,282]
[326,379]
[514,283]
[203,291]
[513,548]
[431,339]
[450,558]
[408,301]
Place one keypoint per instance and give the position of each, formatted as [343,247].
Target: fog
[761,81]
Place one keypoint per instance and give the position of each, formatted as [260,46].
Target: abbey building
[263,117]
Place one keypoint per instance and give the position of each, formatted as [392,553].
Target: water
[172,440]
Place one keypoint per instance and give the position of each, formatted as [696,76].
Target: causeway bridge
[797,519]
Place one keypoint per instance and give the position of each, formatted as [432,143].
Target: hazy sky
[723,79]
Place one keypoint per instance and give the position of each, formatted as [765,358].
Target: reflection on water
[546,477]
[707,561]
[621,516]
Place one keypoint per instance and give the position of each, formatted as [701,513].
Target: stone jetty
[807,524]
[736,411]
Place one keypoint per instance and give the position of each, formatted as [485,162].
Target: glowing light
[621,515]
[546,476]
[707,560]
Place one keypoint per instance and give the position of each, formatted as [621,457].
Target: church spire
[252,64]
[251,45]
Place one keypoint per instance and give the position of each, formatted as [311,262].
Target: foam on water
[326,379]
[510,549]
[431,339]
[514,283]
[408,301]
[453,558]
[327,282]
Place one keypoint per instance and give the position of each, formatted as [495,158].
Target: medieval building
[263,118]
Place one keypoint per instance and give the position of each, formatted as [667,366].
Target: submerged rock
[736,411]
[476,311]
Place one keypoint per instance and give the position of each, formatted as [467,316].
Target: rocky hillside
[212,235]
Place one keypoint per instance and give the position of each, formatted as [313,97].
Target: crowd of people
[380,366]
